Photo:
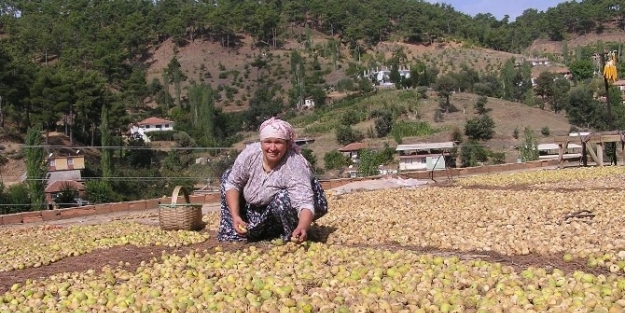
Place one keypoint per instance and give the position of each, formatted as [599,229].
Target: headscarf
[277,128]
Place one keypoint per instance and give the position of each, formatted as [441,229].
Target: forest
[83,62]
[96,49]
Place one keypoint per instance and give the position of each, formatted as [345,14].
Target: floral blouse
[293,174]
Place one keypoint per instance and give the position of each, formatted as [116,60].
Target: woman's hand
[305,219]
[239,225]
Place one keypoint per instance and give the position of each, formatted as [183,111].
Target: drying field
[543,241]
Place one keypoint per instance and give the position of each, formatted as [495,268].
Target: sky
[499,8]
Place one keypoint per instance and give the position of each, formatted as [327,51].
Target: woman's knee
[281,200]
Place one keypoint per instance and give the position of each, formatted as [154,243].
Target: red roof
[354,146]
[59,185]
[155,120]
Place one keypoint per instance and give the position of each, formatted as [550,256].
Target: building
[54,189]
[351,150]
[548,151]
[65,162]
[382,77]
[64,170]
[425,156]
[620,84]
[150,124]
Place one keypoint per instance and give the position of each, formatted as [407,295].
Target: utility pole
[606,83]
[609,74]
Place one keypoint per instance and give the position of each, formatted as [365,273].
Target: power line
[126,147]
[133,178]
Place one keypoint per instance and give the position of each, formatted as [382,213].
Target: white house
[383,77]
[424,156]
[151,124]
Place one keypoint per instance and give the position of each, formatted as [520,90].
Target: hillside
[238,52]
[506,115]
[546,46]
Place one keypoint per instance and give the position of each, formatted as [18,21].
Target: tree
[346,135]
[545,84]
[581,69]
[384,124]
[471,153]
[298,79]
[529,147]
[176,76]
[335,160]
[105,133]
[582,110]
[444,86]
[480,105]
[480,128]
[560,95]
[65,197]
[35,168]
[368,163]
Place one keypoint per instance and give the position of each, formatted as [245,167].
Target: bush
[456,135]
[16,199]
[545,131]
[403,129]
[99,191]
[498,157]
[335,160]
[166,135]
[384,124]
[346,135]
[346,84]
[422,92]
[65,198]
[480,128]
[471,153]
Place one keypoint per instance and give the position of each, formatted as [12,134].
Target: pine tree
[35,170]
[105,134]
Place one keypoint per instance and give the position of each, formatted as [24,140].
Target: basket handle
[174,195]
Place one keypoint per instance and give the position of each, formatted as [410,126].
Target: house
[383,77]
[425,156]
[63,168]
[150,124]
[548,151]
[53,190]
[620,84]
[539,61]
[65,162]
[387,169]
[351,171]
[351,150]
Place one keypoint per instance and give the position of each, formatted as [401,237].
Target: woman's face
[274,149]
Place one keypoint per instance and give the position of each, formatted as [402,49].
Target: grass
[325,119]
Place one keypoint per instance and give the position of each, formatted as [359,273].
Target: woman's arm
[301,192]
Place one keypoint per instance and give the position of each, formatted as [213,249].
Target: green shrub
[403,129]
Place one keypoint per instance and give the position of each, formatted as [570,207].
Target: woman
[270,191]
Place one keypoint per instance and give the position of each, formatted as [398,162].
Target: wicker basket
[184,216]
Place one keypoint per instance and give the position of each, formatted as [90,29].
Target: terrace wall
[142,205]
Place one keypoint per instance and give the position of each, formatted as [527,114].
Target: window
[166,125]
